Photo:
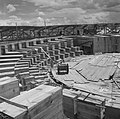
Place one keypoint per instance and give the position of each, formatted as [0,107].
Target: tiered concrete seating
[7,63]
[28,67]
[74,50]
[36,55]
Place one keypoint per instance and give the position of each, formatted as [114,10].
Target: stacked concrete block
[68,50]
[45,48]
[31,43]
[21,69]
[20,45]
[10,47]
[42,56]
[7,63]
[57,45]
[57,54]
[34,70]
[16,46]
[29,59]
[38,42]
[63,49]
[51,52]
[38,58]
[51,46]
[69,42]
[54,47]
[39,50]
[63,43]
[3,49]
[24,45]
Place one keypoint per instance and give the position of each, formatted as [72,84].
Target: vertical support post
[16,30]
[1,36]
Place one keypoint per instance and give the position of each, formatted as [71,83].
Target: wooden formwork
[9,87]
[42,102]
[80,105]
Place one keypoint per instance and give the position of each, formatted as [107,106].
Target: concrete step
[10,56]
[14,53]
[24,74]
[51,52]
[8,60]
[7,64]
[6,69]
[9,74]
[33,68]
[35,74]
[53,58]
[33,71]
[41,77]
[29,60]
[57,52]
[21,70]
[39,81]
[62,51]
[57,57]
[75,48]
[20,64]
[67,55]
[78,53]
[29,78]
[42,55]
[32,58]
[68,50]
[62,56]
[72,54]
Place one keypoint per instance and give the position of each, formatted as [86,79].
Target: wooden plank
[10,93]
[97,74]
[82,65]
[36,100]
[91,72]
[77,77]
[7,83]
[69,102]
[91,108]
[50,111]
[96,60]
[59,115]
[9,87]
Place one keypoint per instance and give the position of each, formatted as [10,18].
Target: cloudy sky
[55,12]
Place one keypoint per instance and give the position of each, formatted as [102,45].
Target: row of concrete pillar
[42,53]
[50,52]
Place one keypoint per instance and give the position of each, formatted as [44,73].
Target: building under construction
[60,72]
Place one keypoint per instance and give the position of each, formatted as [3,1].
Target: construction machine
[62,69]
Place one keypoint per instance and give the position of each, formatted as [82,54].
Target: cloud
[107,3]
[44,2]
[78,16]
[55,5]
[67,12]
[12,20]
[39,21]
[11,8]
[39,13]
[2,13]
